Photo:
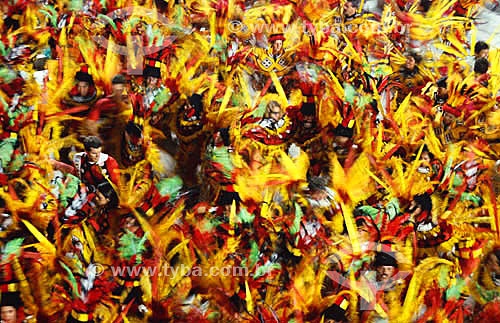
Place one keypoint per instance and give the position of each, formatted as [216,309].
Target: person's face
[135,144]
[349,9]
[82,250]
[341,141]
[384,273]
[277,45]
[364,233]
[5,220]
[415,208]
[218,139]
[448,118]
[410,63]
[152,82]
[138,30]
[77,245]
[308,122]
[9,314]
[118,90]
[83,88]
[426,158]
[341,145]
[131,224]
[493,263]
[94,154]
[100,199]
[187,107]
[275,113]
[442,92]
[483,53]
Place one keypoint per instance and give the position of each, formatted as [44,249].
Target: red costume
[94,174]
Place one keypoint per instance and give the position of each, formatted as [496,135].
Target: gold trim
[82,317]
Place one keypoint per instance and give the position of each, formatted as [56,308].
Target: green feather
[349,93]
[364,101]
[13,247]
[72,279]
[265,269]
[7,74]
[161,99]
[261,109]
[210,225]
[21,110]
[6,150]
[246,217]
[443,276]
[471,197]
[219,45]
[52,10]
[380,72]
[298,217]
[17,163]
[2,49]
[237,100]
[369,210]
[455,291]
[103,4]
[108,20]
[13,116]
[6,52]
[488,295]
[24,108]
[392,208]
[45,12]
[222,156]
[52,17]
[131,245]
[254,253]
[169,186]
[70,190]
[75,5]
[458,180]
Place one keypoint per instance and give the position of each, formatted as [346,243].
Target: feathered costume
[270,161]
